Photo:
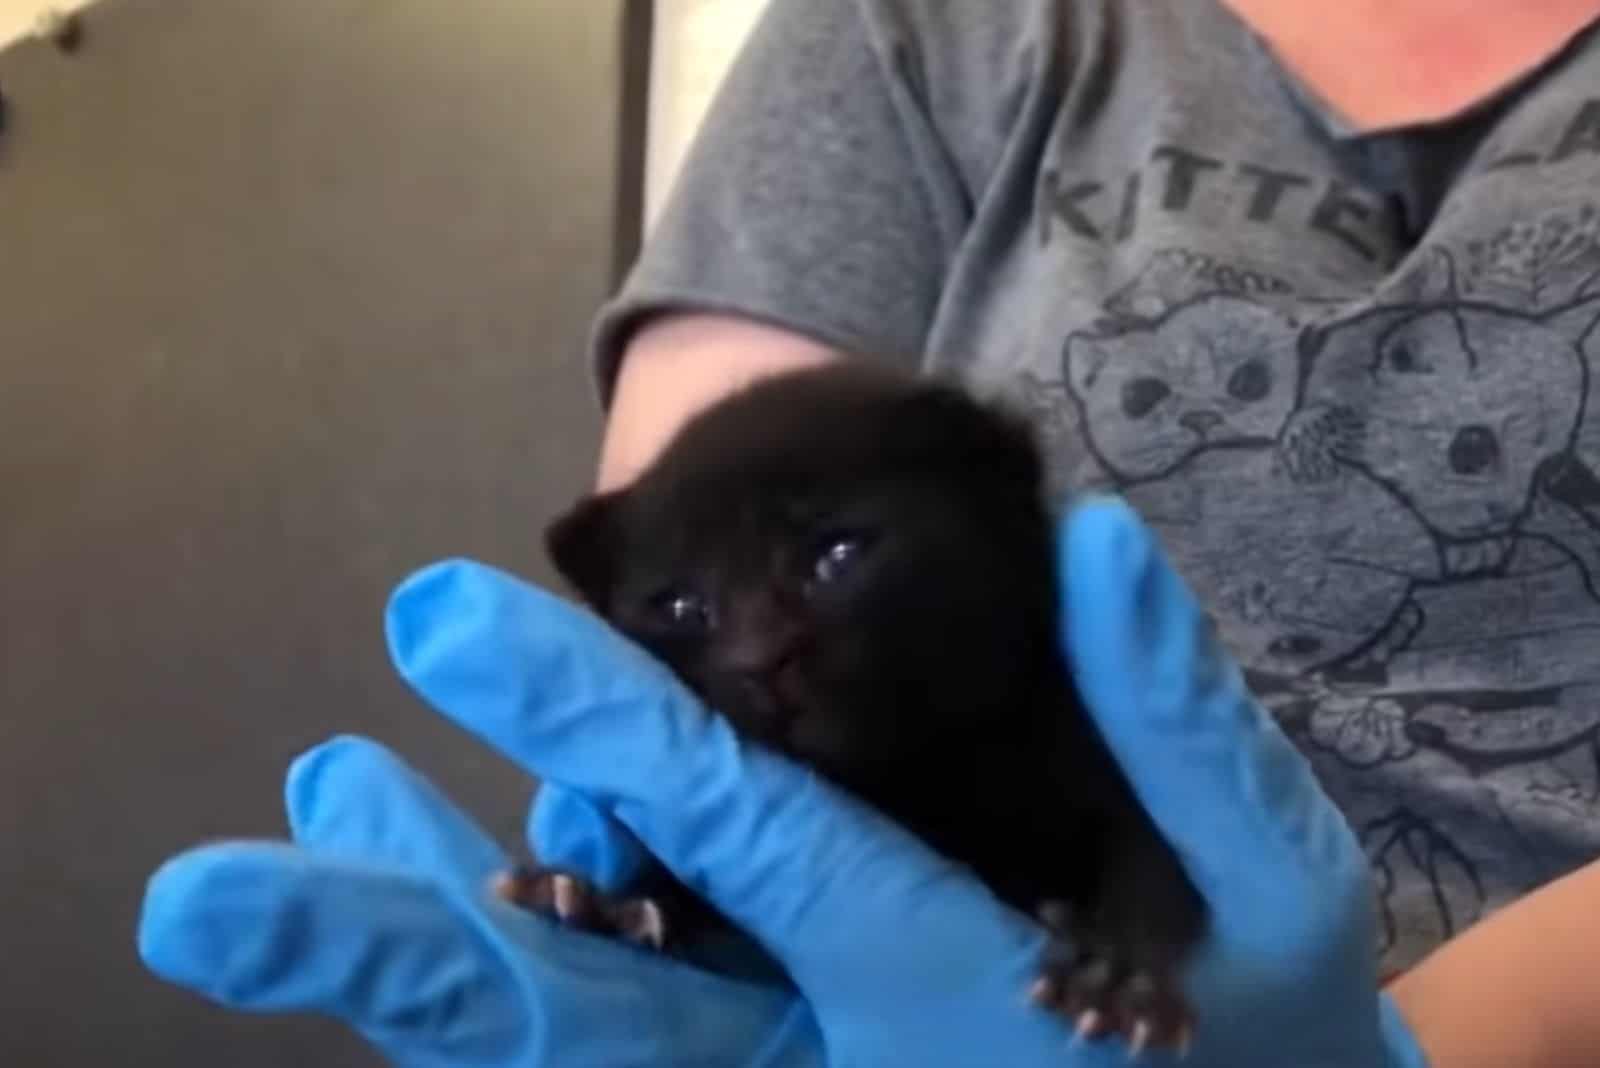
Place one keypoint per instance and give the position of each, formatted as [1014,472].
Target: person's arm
[1520,989]
[679,364]
[816,212]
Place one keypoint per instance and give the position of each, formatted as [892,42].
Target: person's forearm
[1521,989]
[680,364]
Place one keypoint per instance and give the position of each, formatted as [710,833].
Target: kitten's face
[833,600]
[787,612]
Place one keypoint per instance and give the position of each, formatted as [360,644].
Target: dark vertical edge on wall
[633,132]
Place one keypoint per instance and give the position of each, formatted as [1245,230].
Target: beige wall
[695,42]
[293,299]
[17,16]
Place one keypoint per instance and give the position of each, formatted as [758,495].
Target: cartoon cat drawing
[1456,408]
[1218,372]
[1401,544]
[1298,575]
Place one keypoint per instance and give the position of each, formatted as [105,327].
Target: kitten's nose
[757,655]
[758,637]
[1201,422]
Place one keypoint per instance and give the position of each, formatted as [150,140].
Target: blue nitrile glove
[378,916]
[900,957]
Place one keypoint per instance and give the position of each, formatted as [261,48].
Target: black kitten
[856,568]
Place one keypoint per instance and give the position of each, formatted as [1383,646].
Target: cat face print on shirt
[1453,407]
[1214,373]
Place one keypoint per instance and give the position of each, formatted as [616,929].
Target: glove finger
[566,830]
[1212,767]
[803,868]
[270,928]
[351,797]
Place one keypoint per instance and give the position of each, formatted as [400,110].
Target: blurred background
[293,299]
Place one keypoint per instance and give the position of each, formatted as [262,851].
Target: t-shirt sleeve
[816,196]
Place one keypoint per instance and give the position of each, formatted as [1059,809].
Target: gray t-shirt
[1348,378]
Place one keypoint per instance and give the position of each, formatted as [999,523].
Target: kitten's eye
[1141,395]
[1250,381]
[683,611]
[839,555]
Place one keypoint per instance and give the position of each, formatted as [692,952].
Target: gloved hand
[899,957]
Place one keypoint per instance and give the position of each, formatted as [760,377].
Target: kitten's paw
[1100,993]
[576,903]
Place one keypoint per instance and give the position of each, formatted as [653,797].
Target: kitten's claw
[1185,1041]
[503,886]
[1100,995]
[1139,1039]
[564,895]
[574,903]
[644,923]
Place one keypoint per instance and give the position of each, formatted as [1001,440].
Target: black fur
[857,568]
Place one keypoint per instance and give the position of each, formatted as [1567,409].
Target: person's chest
[1183,257]
[1385,64]
[1351,383]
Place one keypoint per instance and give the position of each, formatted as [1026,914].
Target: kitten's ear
[585,543]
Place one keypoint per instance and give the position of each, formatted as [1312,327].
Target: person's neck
[1387,63]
